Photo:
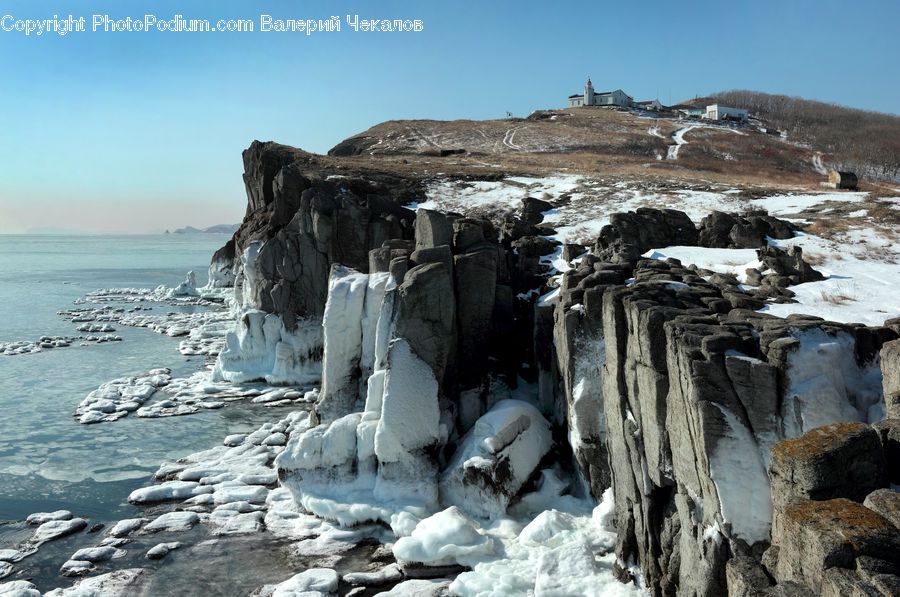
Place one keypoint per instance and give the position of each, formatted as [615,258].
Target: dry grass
[841,294]
[590,141]
[829,227]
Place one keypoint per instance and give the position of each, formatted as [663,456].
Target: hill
[217,229]
[622,143]
[858,140]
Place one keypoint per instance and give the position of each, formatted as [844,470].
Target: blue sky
[137,132]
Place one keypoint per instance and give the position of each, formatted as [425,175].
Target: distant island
[217,229]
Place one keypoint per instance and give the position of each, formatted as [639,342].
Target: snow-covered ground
[861,262]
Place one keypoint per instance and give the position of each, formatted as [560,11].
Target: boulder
[814,536]
[495,459]
[432,229]
[889,433]
[885,502]
[890,370]
[426,314]
[843,460]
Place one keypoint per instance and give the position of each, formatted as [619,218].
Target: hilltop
[630,144]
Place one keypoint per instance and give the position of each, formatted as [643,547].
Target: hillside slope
[588,141]
[858,140]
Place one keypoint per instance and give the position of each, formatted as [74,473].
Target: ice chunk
[310,582]
[170,490]
[54,529]
[418,588]
[448,537]
[39,518]
[161,550]
[173,522]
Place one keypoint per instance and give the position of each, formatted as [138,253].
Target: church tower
[589,93]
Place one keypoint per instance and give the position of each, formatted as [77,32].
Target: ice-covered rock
[390,573]
[448,537]
[262,348]
[496,458]
[19,588]
[39,518]
[418,587]
[54,529]
[365,465]
[170,490]
[117,398]
[161,550]
[315,581]
[186,288]
[118,582]
[172,522]
[76,568]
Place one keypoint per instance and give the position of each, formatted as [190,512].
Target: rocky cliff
[458,358]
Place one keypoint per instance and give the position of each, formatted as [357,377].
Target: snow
[446,538]
[783,205]
[861,287]
[508,193]
[409,412]
[39,518]
[726,261]
[556,554]
[825,385]
[308,583]
[417,588]
[678,137]
[54,529]
[104,585]
[170,490]
[173,522]
[858,288]
[161,550]
[495,458]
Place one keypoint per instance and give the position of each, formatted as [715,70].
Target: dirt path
[510,135]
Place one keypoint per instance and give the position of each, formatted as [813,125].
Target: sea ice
[39,518]
[315,581]
[161,550]
[54,529]
[173,522]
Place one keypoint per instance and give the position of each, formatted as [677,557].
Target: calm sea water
[47,460]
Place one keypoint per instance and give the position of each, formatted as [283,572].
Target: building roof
[576,95]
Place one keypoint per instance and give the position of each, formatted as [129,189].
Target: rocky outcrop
[451,366]
[725,230]
[835,530]
[694,395]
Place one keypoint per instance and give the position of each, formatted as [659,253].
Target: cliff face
[452,372]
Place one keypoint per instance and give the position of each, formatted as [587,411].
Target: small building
[600,98]
[718,112]
[689,111]
[652,105]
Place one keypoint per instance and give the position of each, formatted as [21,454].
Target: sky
[138,132]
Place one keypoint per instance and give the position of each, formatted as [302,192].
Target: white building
[717,112]
[652,105]
[601,98]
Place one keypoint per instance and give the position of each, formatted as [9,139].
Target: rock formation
[747,454]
